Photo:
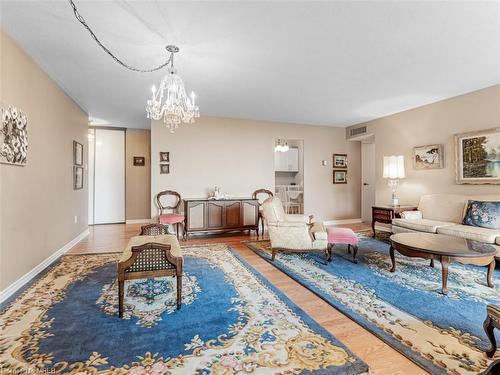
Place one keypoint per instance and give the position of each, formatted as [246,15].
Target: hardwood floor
[381,358]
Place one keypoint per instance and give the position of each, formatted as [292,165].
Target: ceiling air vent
[357,131]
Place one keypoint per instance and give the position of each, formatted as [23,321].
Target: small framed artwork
[428,157]
[164,157]
[339,160]
[139,161]
[77,153]
[339,176]
[478,157]
[164,168]
[77,178]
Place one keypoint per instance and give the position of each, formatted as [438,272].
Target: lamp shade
[394,166]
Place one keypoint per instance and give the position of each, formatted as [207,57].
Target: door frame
[124,130]
[365,211]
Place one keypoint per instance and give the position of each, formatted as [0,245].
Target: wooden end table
[446,249]
[385,214]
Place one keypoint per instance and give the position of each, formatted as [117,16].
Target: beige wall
[434,123]
[238,156]
[138,179]
[38,203]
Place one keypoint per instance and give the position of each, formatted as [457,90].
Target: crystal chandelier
[170,101]
[281,146]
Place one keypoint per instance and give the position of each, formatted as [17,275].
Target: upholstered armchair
[294,233]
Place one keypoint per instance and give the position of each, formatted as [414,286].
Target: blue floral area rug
[442,334]
[231,321]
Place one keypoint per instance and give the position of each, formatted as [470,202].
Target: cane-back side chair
[261,195]
[168,213]
[150,257]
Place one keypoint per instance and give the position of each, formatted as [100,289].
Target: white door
[109,176]
[367,180]
[90,174]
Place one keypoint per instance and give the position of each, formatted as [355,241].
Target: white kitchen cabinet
[287,161]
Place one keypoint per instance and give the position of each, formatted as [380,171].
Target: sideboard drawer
[382,214]
[385,214]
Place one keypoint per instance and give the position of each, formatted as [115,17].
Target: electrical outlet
[76,219]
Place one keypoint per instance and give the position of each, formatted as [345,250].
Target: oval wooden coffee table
[446,249]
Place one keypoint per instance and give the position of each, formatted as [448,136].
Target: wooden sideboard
[210,215]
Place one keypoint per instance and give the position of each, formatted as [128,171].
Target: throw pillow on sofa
[483,214]
[411,215]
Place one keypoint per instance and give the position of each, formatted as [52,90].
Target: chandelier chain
[80,19]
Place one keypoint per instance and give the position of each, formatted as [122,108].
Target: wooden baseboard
[139,221]
[343,221]
[19,283]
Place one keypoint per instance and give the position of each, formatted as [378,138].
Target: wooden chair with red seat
[261,195]
[173,217]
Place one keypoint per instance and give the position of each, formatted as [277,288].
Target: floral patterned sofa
[445,214]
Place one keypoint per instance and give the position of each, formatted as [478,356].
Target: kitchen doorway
[289,174]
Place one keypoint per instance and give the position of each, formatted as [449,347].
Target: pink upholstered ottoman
[343,236]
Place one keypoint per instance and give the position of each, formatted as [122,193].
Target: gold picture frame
[428,157]
[477,157]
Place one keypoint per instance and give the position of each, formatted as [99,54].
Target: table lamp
[394,169]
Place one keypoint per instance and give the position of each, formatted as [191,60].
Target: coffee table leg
[489,277]
[432,263]
[393,260]
[444,266]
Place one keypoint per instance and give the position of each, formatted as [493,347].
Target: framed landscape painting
[478,157]
[428,157]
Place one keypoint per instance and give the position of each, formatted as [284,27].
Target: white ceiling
[320,63]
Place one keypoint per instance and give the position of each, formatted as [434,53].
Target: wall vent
[357,131]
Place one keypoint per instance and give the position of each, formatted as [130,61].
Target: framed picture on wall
[478,157]
[164,157]
[139,161]
[164,168]
[77,178]
[77,153]
[13,136]
[428,157]
[339,176]
[339,160]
